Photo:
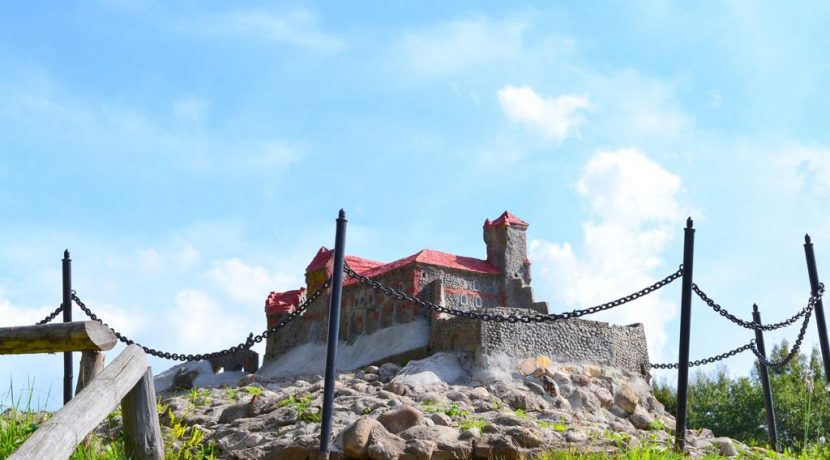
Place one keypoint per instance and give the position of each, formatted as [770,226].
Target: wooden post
[92,363]
[56,338]
[67,318]
[142,433]
[57,438]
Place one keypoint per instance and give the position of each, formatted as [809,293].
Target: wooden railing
[128,381]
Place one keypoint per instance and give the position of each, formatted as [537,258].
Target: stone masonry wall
[574,340]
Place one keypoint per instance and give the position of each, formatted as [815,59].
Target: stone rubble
[378,415]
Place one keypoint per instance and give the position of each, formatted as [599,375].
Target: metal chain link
[252,339]
[50,316]
[710,360]
[512,318]
[796,346]
[751,324]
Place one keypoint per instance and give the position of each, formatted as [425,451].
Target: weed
[520,413]
[555,426]
[254,391]
[468,423]
[303,407]
[657,425]
[199,397]
[233,394]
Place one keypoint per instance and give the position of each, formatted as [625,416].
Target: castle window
[478,302]
[474,284]
[464,299]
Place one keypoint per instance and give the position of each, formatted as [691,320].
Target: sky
[193,156]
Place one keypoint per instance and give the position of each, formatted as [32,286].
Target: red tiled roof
[508,219]
[324,256]
[441,259]
[283,302]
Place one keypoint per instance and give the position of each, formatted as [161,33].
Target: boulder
[400,418]
[626,398]
[356,437]
[641,419]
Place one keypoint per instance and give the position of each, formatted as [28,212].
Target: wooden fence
[128,381]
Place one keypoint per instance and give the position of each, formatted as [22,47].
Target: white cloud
[249,284]
[202,326]
[634,211]
[556,118]
[807,169]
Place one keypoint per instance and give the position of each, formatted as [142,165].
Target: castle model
[397,329]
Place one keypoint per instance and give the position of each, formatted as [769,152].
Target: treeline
[734,407]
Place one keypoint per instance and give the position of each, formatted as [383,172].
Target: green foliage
[734,407]
[199,397]
[520,413]
[555,426]
[472,422]
[233,394]
[302,404]
[254,391]
[183,442]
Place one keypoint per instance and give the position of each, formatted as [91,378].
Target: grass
[302,404]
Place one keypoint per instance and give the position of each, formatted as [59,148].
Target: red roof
[441,259]
[508,219]
[284,302]
[324,258]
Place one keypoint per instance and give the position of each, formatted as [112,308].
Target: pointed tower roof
[508,219]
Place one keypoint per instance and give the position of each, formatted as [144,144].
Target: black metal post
[819,310]
[685,328]
[67,317]
[334,332]
[763,373]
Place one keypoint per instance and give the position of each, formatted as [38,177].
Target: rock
[470,433]
[479,393]
[356,437]
[525,400]
[441,419]
[566,388]
[384,445]
[560,403]
[725,447]
[536,388]
[458,396]
[587,400]
[550,386]
[397,388]
[605,398]
[576,437]
[371,370]
[527,367]
[183,380]
[626,398]
[439,434]
[580,380]
[512,420]
[525,437]
[387,371]
[400,418]
[500,447]
[451,451]
[592,370]
[418,449]
[233,412]
[641,419]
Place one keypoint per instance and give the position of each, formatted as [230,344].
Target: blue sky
[193,156]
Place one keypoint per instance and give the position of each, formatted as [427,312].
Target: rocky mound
[439,408]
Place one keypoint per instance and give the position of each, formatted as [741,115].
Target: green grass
[305,412]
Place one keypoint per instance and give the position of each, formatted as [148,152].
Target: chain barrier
[752,325]
[538,318]
[50,316]
[796,346]
[710,360]
[198,357]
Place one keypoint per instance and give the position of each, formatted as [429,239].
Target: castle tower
[506,240]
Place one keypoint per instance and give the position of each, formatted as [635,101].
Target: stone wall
[574,340]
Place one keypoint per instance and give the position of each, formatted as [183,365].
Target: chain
[251,340]
[751,324]
[710,360]
[50,316]
[538,318]
[763,359]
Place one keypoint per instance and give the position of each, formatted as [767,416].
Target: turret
[506,239]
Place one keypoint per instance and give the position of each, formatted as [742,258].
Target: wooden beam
[142,433]
[55,338]
[57,438]
[92,363]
